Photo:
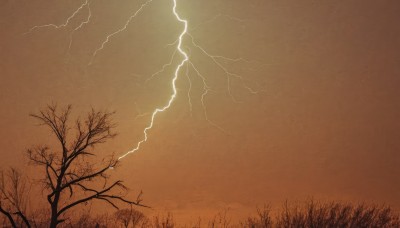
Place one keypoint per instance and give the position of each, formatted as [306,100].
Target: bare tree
[263,219]
[137,217]
[129,216]
[69,177]
[13,197]
[164,221]
[220,220]
[124,216]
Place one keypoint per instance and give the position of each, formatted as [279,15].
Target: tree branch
[23,217]
[88,198]
[8,215]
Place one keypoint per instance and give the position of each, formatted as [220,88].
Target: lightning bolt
[174,91]
[218,60]
[206,90]
[83,23]
[66,23]
[189,89]
[132,17]
[163,67]
[228,74]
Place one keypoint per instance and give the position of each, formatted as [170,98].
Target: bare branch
[94,196]
[66,170]
[23,217]
[13,192]
[8,215]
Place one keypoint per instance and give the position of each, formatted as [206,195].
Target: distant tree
[13,197]
[220,220]
[124,216]
[163,222]
[69,178]
[262,220]
[129,216]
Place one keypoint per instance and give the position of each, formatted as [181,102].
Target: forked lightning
[206,88]
[174,94]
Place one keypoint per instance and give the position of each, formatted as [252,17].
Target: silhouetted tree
[163,222]
[129,216]
[69,177]
[263,219]
[13,197]
[124,216]
[220,220]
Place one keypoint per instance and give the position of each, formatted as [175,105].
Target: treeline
[310,214]
[314,214]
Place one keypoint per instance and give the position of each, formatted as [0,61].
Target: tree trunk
[53,219]
[54,211]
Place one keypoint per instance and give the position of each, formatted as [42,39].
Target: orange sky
[325,124]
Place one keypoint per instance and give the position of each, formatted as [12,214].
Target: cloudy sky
[310,105]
